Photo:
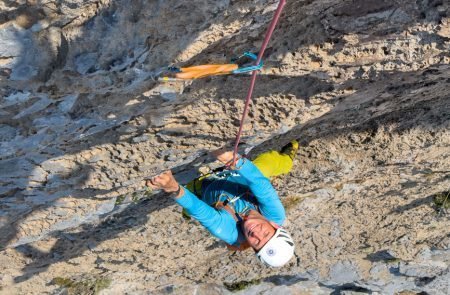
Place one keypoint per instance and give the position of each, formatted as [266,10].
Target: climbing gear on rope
[278,250]
[201,71]
[245,68]
[269,32]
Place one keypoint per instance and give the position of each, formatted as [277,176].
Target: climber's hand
[164,181]
[224,156]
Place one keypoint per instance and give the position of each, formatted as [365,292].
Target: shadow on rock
[70,245]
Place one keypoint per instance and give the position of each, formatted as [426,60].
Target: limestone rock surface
[363,85]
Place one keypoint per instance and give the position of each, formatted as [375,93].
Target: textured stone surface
[362,84]
[343,272]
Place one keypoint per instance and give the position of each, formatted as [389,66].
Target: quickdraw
[201,71]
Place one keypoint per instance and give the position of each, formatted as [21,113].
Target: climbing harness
[199,187]
[201,71]
[228,205]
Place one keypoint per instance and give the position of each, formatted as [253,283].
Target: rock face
[363,85]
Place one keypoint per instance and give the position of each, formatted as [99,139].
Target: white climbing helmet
[278,250]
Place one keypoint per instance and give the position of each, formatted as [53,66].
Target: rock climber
[239,205]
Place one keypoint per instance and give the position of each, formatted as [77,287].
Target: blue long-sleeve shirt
[252,187]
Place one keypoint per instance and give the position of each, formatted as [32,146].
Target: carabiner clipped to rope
[247,69]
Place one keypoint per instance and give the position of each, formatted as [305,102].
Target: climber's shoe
[290,149]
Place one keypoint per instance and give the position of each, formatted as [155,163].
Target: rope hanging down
[269,32]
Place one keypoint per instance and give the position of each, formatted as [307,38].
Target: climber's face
[257,230]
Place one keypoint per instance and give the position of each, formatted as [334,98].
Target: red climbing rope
[269,32]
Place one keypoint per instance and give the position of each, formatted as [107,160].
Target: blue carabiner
[250,68]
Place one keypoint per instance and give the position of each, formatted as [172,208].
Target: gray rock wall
[362,84]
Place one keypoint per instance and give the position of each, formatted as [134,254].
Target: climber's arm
[218,222]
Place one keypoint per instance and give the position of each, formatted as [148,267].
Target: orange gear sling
[197,72]
[201,71]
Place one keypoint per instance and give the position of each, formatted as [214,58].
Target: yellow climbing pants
[273,163]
